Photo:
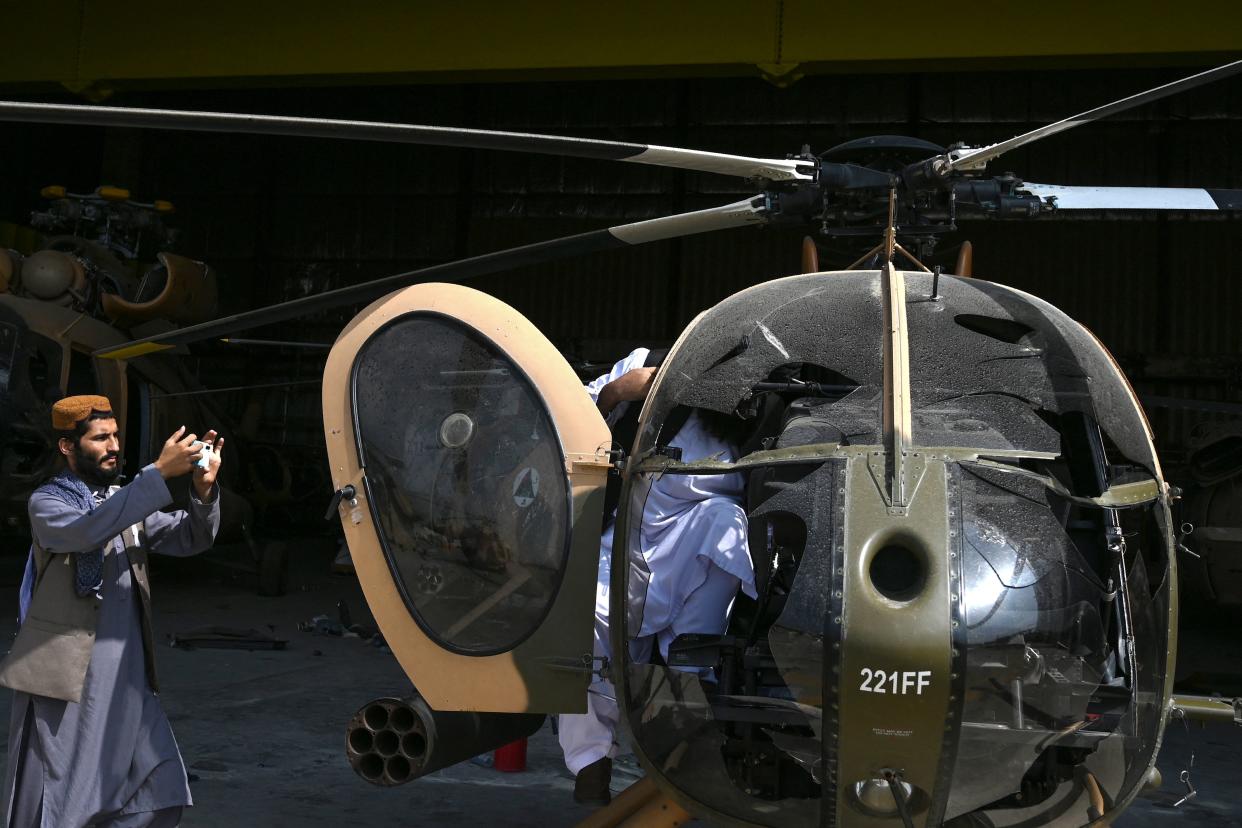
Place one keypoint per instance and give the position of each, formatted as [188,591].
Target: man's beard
[92,470]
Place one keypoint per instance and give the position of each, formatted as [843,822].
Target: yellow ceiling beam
[79,43]
[818,32]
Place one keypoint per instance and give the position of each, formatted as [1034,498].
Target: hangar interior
[282,218]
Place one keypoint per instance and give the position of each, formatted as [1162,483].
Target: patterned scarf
[87,566]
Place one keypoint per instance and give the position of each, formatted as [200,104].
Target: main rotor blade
[753,210]
[772,169]
[975,158]
[1135,198]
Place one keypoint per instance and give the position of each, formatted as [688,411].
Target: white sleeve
[635,360]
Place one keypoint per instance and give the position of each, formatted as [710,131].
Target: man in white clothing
[694,540]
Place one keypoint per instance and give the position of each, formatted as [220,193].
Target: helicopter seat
[776,538]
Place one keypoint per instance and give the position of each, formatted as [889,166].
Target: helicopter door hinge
[620,461]
[579,462]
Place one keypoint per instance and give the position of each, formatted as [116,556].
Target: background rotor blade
[1136,198]
[969,159]
[753,210]
[773,169]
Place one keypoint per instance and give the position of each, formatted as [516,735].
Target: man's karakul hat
[70,411]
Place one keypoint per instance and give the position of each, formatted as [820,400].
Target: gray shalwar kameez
[110,760]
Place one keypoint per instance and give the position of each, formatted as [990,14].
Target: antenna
[890,233]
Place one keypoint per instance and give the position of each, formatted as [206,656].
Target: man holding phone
[89,743]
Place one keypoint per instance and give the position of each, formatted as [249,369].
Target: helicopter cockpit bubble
[993,642]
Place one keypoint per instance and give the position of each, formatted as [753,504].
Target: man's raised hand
[178,455]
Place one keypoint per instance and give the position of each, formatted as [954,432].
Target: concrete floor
[263,732]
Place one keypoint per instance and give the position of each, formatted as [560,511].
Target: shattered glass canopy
[1056,633]
[990,367]
[993,367]
[834,323]
[1048,680]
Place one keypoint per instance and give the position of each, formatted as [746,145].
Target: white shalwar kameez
[694,540]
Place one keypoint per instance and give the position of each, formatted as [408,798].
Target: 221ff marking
[899,683]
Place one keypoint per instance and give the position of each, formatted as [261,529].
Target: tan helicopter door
[476,464]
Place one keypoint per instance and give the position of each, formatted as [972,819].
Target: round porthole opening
[897,572]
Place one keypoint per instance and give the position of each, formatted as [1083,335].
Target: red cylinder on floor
[511,758]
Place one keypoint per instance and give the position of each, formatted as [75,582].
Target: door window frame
[398,579]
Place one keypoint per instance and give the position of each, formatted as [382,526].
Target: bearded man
[89,743]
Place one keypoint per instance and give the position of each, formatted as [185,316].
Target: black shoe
[591,783]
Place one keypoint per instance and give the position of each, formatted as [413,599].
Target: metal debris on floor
[226,638]
[343,627]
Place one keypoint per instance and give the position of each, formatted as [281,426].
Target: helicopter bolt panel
[894,592]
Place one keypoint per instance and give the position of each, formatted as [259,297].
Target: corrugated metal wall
[278,217]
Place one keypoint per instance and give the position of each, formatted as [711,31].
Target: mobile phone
[204,462]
